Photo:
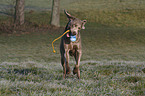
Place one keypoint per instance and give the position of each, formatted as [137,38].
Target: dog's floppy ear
[83,24]
[69,16]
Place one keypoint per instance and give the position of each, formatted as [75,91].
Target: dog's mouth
[67,35]
[70,34]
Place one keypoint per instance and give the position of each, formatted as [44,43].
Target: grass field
[113,60]
[112,64]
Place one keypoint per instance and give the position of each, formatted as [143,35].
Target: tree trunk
[55,15]
[19,12]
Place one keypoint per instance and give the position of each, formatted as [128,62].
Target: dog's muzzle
[72,36]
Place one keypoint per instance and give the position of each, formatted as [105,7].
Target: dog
[71,44]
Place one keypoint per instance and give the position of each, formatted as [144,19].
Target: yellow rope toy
[57,39]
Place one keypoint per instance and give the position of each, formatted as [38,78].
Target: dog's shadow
[34,74]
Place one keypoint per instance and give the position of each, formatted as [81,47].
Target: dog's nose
[74,33]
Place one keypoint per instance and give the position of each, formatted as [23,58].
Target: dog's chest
[72,45]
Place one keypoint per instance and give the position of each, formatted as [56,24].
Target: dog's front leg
[78,55]
[68,71]
[63,62]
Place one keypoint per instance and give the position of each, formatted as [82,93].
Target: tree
[19,12]
[55,15]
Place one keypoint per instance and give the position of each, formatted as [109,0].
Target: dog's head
[75,24]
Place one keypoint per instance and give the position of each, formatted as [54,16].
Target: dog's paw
[68,71]
[75,70]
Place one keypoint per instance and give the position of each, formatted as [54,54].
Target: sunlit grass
[46,79]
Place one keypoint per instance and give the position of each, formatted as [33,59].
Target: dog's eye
[79,28]
[75,25]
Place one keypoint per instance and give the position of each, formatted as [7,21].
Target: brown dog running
[71,44]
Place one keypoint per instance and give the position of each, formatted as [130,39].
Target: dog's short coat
[73,48]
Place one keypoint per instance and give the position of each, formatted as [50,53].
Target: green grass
[121,18]
[81,5]
[112,63]
[128,13]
